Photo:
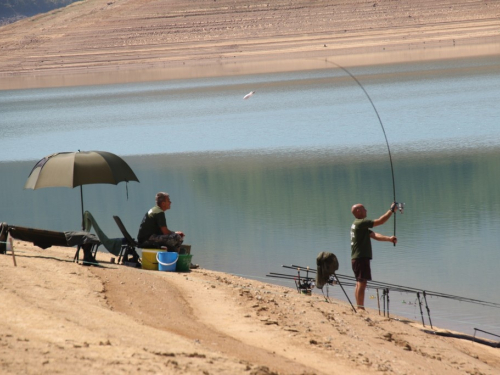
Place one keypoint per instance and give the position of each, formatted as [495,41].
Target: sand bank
[101,41]
[60,317]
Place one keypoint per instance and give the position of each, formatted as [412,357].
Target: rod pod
[420,306]
[345,292]
[428,311]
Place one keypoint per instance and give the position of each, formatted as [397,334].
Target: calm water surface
[269,181]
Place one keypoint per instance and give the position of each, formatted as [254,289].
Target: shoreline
[209,69]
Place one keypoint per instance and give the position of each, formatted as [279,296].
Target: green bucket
[183,263]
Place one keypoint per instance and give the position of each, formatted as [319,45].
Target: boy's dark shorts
[361,268]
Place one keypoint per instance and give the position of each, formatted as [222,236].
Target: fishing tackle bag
[327,265]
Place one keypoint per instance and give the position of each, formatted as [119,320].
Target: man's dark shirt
[151,224]
[361,246]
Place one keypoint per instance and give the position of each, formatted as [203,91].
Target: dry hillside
[237,36]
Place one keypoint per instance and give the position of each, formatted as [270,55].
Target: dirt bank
[61,317]
[107,41]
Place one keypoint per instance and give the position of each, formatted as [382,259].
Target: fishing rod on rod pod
[400,288]
[292,277]
[333,280]
[386,287]
[306,284]
[311,283]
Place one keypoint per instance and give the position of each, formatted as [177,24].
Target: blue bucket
[167,260]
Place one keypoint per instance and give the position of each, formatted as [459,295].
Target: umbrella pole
[81,200]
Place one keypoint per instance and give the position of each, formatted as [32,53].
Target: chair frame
[131,243]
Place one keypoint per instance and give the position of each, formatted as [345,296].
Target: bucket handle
[166,264]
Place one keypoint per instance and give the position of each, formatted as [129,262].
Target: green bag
[327,265]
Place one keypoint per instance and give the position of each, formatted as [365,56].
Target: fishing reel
[304,286]
[399,206]
[332,280]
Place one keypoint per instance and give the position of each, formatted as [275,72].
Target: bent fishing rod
[400,206]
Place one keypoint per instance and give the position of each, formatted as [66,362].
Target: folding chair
[112,245]
[129,245]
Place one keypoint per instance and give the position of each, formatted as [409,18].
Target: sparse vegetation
[14,10]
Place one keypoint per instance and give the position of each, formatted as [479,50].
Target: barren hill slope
[110,35]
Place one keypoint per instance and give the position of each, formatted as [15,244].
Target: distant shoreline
[209,69]
[108,42]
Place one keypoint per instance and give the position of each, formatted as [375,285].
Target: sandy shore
[61,317]
[108,41]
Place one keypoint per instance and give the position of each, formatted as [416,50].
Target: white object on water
[248,95]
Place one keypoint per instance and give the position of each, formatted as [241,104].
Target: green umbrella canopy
[71,169]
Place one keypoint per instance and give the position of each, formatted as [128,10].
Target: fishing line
[400,206]
[381,125]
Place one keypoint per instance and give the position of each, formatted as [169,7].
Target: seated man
[153,230]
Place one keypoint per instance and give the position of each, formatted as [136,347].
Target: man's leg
[171,241]
[362,272]
[359,293]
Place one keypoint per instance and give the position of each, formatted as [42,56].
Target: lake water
[270,181]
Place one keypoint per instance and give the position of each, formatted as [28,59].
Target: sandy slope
[59,317]
[101,41]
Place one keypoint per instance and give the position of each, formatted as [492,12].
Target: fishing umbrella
[71,169]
